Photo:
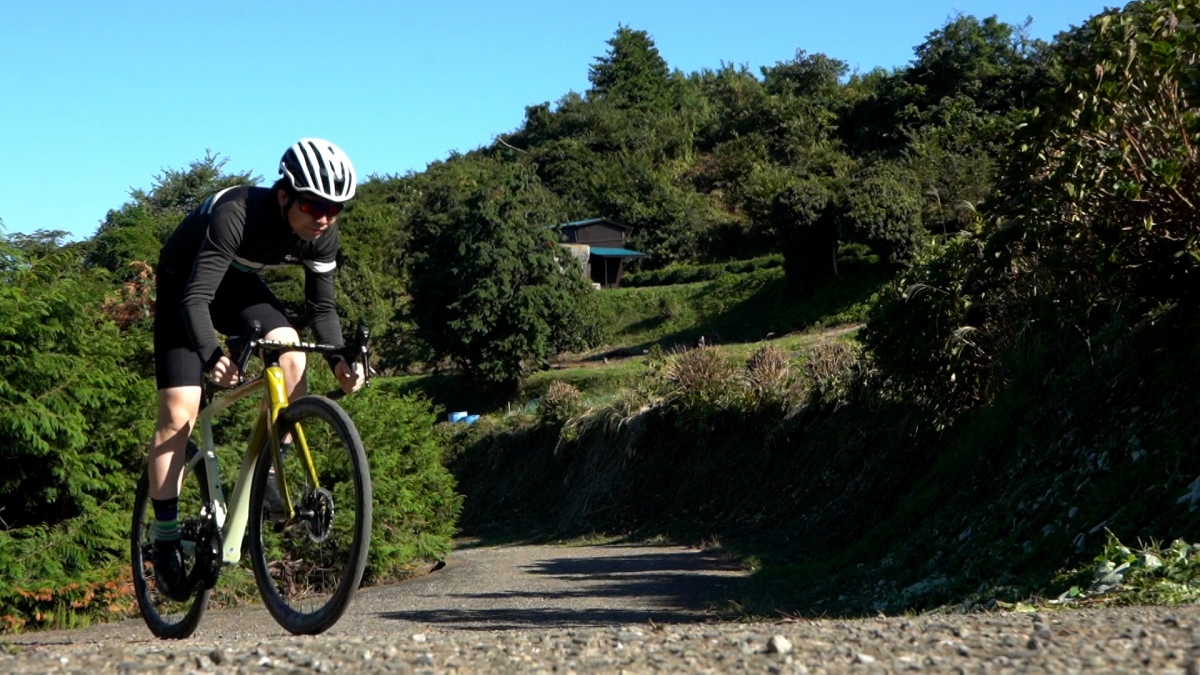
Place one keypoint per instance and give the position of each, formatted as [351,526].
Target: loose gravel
[563,610]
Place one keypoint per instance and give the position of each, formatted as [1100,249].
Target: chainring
[207,567]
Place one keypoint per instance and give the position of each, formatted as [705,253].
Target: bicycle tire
[308,568]
[166,618]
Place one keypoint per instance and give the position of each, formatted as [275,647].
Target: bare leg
[292,363]
[177,410]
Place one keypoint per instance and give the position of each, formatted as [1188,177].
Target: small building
[606,252]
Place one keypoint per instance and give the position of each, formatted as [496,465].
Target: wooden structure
[606,254]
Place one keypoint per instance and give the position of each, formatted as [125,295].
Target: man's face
[310,217]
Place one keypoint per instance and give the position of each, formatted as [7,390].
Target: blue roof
[616,253]
[592,221]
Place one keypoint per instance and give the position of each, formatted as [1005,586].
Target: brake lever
[252,333]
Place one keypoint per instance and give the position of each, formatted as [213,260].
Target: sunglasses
[318,208]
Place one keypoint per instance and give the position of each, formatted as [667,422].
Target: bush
[679,273]
[416,508]
[883,210]
[67,574]
[74,415]
[561,402]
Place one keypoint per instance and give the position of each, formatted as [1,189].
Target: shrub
[561,402]
[769,376]
[416,508]
[698,378]
[833,367]
[680,273]
[67,574]
[73,412]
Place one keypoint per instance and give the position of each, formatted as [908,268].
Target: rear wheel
[308,567]
[166,618]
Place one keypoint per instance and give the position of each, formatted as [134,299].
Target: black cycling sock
[166,519]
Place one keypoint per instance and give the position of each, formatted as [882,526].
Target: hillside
[849,502]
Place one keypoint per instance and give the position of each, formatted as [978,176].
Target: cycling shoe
[169,572]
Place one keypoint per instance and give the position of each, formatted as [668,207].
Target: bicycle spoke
[309,566]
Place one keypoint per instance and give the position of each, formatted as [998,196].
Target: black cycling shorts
[241,298]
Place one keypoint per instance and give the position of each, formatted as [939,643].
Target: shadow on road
[683,561]
[585,590]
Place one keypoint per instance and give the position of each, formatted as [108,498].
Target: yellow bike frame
[233,516]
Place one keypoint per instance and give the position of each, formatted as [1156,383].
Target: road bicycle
[307,538]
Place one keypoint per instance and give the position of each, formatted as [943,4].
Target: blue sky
[100,97]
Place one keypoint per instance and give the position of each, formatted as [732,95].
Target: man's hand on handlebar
[225,373]
[350,377]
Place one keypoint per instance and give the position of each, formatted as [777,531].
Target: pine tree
[632,74]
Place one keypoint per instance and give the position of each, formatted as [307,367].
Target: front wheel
[309,566]
[167,618]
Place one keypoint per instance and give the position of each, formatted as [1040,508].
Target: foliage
[1152,575]
[371,282]
[632,72]
[1094,229]
[491,292]
[67,574]
[986,67]
[560,403]
[991,62]
[137,230]
[1107,175]
[682,273]
[802,218]
[73,416]
[883,210]
[416,507]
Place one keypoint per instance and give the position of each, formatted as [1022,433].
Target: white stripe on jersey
[321,267]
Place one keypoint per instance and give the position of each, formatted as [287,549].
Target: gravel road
[617,609]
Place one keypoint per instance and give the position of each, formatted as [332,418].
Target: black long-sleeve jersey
[244,228]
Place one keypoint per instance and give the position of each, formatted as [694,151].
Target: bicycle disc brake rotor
[318,514]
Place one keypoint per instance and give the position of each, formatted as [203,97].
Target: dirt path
[493,588]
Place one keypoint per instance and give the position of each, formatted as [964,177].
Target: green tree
[371,282]
[994,63]
[807,75]
[491,291]
[138,229]
[798,213]
[632,73]
[882,209]
[73,413]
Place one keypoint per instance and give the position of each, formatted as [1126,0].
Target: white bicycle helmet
[320,168]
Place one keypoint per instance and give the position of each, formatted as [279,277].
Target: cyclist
[208,281]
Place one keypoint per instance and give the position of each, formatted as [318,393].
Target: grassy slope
[733,310]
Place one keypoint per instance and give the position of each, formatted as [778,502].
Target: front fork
[278,401]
